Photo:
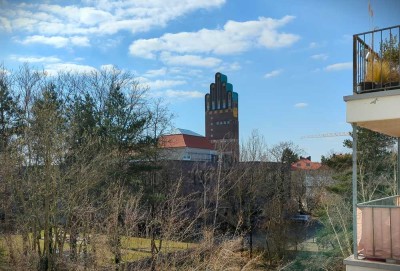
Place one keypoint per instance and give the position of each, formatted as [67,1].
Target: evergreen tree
[48,133]
[9,115]
[375,153]
[289,156]
[122,124]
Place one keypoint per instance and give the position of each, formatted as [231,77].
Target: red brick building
[222,117]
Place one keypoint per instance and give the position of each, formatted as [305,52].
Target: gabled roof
[182,140]
[305,164]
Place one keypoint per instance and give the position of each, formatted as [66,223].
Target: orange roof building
[305,164]
[187,145]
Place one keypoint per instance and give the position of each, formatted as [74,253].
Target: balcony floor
[367,265]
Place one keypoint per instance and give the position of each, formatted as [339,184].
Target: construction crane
[327,135]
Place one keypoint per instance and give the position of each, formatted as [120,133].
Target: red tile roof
[183,140]
[305,164]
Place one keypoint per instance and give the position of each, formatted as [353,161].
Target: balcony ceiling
[377,111]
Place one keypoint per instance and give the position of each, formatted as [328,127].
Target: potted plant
[378,72]
[382,70]
[391,54]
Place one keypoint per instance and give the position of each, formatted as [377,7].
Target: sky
[290,61]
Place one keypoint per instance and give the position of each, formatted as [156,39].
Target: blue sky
[289,60]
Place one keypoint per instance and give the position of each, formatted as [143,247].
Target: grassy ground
[133,248]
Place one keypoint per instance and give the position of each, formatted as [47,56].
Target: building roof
[180,131]
[185,140]
[305,164]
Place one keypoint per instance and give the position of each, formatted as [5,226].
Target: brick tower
[222,122]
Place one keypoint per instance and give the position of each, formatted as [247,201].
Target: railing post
[355,250]
[355,66]
[398,165]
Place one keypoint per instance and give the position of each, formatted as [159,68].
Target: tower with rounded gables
[222,112]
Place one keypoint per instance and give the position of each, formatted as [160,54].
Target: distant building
[222,117]
[187,145]
[221,129]
[308,182]
[305,164]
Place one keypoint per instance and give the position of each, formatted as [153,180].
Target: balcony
[378,229]
[376,60]
[374,105]
[376,81]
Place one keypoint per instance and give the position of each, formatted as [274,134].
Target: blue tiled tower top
[221,94]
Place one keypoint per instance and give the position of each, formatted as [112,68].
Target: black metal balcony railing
[376,60]
[378,229]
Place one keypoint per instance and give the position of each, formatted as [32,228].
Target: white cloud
[160,84]
[92,16]
[301,105]
[178,95]
[186,72]
[5,24]
[33,59]
[235,66]
[79,41]
[313,45]
[339,66]
[184,94]
[155,73]
[189,60]
[320,57]
[98,17]
[273,73]
[57,41]
[53,69]
[107,44]
[234,37]
[228,67]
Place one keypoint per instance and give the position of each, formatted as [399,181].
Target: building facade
[186,145]
[374,105]
[222,117]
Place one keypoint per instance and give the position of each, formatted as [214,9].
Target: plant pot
[392,85]
[363,87]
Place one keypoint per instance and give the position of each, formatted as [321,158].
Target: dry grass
[228,255]
[133,248]
[380,71]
